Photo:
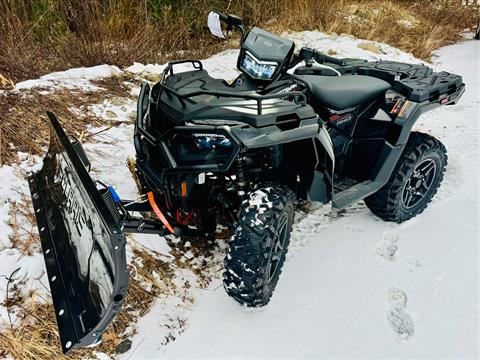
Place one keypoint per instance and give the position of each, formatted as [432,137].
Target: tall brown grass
[40,36]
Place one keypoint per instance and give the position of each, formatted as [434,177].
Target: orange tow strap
[157,212]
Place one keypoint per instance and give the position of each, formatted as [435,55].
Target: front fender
[322,184]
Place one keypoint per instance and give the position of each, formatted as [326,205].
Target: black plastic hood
[267,46]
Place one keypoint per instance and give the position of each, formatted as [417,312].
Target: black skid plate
[83,246]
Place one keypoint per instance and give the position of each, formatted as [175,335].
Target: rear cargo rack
[429,88]
[417,82]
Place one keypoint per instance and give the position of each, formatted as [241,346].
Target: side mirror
[214,25]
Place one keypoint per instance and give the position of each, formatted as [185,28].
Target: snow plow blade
[83,245]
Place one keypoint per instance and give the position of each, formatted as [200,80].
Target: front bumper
[157,159]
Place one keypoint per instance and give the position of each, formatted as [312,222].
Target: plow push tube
[83,245]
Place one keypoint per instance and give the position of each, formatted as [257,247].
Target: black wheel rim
[419,183]
[278,248]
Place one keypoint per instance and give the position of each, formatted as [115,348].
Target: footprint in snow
[387,248]
[397,298]
[400,321]
[413,264]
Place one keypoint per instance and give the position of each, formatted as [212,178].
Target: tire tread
[384,203]
[248,249]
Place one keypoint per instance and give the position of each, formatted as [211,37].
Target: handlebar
[222,17]
[232,21]
[329,59]
[308,54]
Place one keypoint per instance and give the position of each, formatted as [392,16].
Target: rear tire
[258,247]
[414,181]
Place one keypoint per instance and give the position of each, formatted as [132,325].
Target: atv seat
[341,92]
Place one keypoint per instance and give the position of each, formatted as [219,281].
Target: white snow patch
[116,109]
[346,46]
[78,78]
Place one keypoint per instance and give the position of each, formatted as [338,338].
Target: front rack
[298,96]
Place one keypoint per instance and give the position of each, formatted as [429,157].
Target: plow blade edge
[83,246]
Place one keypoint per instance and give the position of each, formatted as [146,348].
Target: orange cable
[158,212]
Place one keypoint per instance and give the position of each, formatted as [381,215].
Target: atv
[293,126]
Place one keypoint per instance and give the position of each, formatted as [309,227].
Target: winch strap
[158,212]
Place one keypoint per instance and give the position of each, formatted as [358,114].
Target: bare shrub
[41,36]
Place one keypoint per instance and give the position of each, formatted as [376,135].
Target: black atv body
[240,153]
[329,138]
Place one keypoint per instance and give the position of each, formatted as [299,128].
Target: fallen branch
[7,303]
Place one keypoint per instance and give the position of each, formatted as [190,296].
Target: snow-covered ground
[352,287]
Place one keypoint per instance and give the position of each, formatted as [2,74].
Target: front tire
[414,181]
[258,247]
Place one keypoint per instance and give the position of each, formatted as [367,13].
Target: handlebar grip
[222,17]
[333,60]
[321,58]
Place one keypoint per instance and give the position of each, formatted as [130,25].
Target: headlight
[211,141]
[262,70]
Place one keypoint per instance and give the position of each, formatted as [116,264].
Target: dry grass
[419,27]
[24,113]
[132,167]
[25,237]
[35,335]
[40,36]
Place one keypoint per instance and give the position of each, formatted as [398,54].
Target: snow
[348,46]
[118,109]
[353,286]
[221,65]
[78,78]
[30,268]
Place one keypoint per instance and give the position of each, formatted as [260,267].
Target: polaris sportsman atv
[241,153]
